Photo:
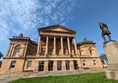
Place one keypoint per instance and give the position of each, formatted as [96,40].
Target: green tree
[1,55]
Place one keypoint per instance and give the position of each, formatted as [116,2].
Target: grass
[79,78]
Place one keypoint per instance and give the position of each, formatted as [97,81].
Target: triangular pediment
[57,28]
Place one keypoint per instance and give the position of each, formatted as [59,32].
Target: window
[43,43]
[17,52]
[67,65]
[75,65]
[94,62]
[57,52]
[84,62]
[50,43]
[50,65]
[29,64]
[42,52]
[50,52]
[41,65]
[64,51]
[13,64]
[59,65]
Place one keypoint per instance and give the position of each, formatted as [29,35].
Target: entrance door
[75,65]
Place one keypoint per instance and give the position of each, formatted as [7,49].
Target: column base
[112,75]
[112,72]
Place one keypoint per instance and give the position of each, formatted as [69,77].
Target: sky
[83,16]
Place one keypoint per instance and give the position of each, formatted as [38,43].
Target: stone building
[56,50]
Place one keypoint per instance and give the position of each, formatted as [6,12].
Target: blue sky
[83,16]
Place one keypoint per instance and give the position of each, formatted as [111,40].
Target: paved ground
[58,73]
[6,80]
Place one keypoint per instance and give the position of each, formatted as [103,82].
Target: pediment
[57,28]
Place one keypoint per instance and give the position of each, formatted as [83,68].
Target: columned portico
[60,45]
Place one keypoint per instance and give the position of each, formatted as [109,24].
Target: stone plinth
[111,50]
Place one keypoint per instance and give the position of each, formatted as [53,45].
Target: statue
[105,31]
[20,35]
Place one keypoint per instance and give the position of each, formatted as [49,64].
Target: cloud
[26,16]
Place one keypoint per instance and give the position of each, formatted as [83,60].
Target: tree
[1,55]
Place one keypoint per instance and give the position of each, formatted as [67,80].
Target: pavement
[6,80]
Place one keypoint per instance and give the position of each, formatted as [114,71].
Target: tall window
[13,64]
[41,65]
[50,65]
[75,65]
[59,65]
[42,52]
[50,52]
[64,51]
[94,62]
[29,64]
[17,52]
[57,52]
[67,65]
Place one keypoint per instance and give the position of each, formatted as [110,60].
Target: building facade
[56,50]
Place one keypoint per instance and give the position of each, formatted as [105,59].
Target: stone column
[36,66]
[55,66]
[46,66]
[12,50]
[54,46]
[79,64]
[61,45]
[46,52]
[68,41]
[63,65]
[75,46]
[71,65]
[9,50]
[25,50]
[38,49]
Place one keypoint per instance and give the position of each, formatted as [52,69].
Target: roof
[20,37]
[85,41]
[55,26]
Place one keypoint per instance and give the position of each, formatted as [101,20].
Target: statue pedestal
[111,50]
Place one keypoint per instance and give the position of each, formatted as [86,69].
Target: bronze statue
[105,31]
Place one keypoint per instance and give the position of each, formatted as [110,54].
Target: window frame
[13,65]
[29,64]
[16,52]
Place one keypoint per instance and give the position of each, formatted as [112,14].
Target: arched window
[17,52]
[90,51]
